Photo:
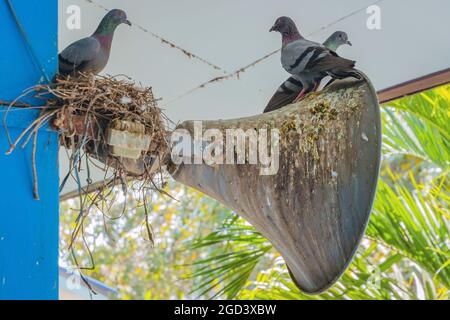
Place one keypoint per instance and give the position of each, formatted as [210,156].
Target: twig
[33,161]
[34,125]
[5,117]
[148,227]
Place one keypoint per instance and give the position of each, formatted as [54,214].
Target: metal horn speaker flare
[315,208]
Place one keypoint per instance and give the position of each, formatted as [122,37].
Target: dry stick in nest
[34,127]
[12,104]
[148,226]
[102,98]
[18,104]
[35,176]
[110,98]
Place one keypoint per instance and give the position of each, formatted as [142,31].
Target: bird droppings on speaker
[315,208]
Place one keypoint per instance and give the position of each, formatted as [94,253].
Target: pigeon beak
[272,29]
[349,43]
[128,22]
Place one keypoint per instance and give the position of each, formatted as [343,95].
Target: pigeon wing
[78,56]
[333,65]
[285,94]
[296,55]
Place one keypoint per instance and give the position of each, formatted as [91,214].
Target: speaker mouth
[316,208]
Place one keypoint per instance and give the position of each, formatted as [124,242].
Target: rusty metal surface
[316,208]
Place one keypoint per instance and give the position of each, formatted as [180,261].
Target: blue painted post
[28,228]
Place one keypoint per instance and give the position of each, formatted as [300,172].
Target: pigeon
[291,88]
[308,61]
[336,40]
[91,54]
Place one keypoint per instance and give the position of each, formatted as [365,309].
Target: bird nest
[110,119]
[113,120]
[111,110]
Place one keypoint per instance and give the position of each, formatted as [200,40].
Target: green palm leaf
[431,106]
[419,126]
[407,134]
[414,223]
[234,252]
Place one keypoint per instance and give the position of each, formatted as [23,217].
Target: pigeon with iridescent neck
[292,87]
[308,61]
[91,54]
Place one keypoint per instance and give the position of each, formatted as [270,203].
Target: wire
[222,78]
[351,14]
[238,72]
[27,41]
[167,42]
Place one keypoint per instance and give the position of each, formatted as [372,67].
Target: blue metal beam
[28,228]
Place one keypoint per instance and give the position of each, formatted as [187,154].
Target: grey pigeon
[91,54]
[291,88]
[308,61]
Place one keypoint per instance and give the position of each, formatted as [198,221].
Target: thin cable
[351,14]
[228,76]
[238,72]
[27,41]
[167,42]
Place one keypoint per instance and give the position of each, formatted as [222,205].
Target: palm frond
[415,223]
[363,280]
[371,276]
[406,133]
[235,250]
[431,106]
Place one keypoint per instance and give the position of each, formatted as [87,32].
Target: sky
[412,42]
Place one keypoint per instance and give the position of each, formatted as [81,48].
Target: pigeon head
[285,26]
[340,38]
[336,40]
[111,21]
